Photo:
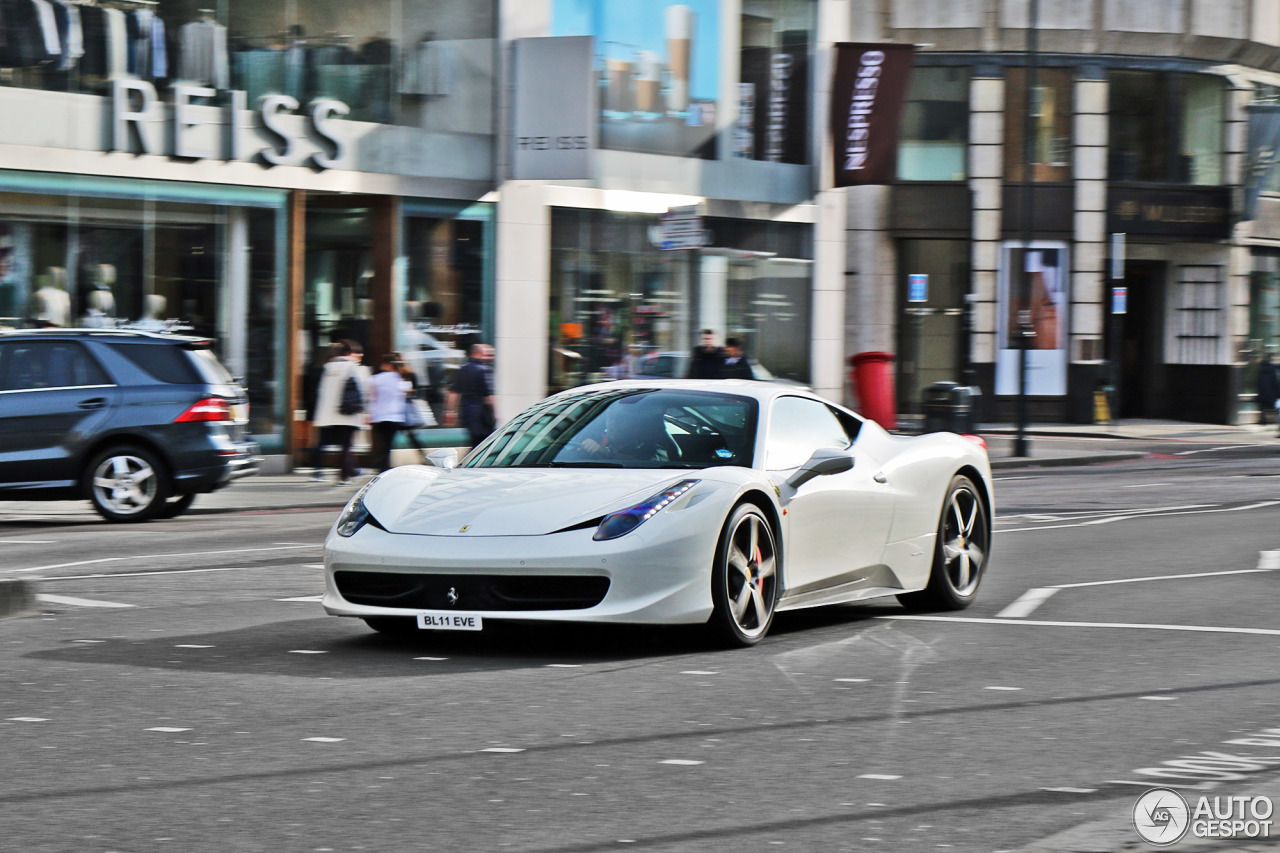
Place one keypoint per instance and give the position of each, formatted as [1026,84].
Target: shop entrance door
[932,342]
[1140,388]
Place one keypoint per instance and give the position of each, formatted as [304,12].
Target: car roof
[133,335]
[753,388]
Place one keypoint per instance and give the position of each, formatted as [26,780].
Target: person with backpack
[342,407]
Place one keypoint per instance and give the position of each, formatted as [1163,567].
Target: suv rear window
[162,362]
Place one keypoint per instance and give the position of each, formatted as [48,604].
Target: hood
[506,501]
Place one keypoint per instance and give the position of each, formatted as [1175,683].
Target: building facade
[1112,231]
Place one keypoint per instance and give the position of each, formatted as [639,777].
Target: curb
[16,598]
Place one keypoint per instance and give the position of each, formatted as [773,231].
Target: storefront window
[1050,153]
[773,82]
[445,298]
[658,71]
[616,297]
[211,270]
[1166,128]
[935,126]
[425,63]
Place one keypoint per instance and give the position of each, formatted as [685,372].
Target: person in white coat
[333,426]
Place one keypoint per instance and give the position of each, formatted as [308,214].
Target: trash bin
[949,407]
[872,376]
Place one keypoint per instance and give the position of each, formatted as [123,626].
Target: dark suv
[137,422]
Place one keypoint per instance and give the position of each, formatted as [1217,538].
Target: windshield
[625,428]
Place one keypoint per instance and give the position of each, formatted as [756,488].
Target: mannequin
[100,304]
[153,308]
[51,304]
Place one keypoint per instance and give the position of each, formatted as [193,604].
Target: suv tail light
[208,409]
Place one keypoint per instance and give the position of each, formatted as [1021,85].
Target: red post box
[872,376]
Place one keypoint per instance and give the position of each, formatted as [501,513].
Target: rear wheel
[127,483]
[744,579]
[960,551]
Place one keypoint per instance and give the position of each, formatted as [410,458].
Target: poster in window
[1033,289]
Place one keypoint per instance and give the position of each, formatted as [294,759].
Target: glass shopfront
[615,295]
[1166,127]
[935,126]
[1052,115]
[422,63]
[133,254]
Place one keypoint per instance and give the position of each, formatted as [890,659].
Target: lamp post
[1021,446]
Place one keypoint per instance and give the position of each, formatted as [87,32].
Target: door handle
[879,477]
[92,403]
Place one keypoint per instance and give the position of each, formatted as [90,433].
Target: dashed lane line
[1196,629]
[159,556]
[77,602]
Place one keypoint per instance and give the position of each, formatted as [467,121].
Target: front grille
[474,592]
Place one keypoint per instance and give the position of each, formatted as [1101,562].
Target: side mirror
[443,458]
[825,460]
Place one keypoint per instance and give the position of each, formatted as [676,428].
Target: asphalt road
[181,690]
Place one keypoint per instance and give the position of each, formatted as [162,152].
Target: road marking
[1216,449]
[27,541]
[28,719]
[303,598]
[698,672]
[68,565]
[1269,559]
[1163,578]
[430,658]
[1159,698]
[192,646]
[160,572]
[1151,513]
[884,776]
[502,749]
[997,687]
[159,556]
[325,739]
[563,665]
[1027,603]
[78,602]
[168,729]
[684,762]
[1070,790]
[1198,629]
[1145,485]
[851,680]
[307,652]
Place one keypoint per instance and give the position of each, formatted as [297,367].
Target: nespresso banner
[866,102]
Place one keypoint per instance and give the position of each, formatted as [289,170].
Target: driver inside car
[632,432]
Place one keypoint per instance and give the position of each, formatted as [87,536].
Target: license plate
[240,412]
[444,620]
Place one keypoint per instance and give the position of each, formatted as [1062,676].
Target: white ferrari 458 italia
[667,502]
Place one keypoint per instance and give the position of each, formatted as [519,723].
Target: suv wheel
[127,483]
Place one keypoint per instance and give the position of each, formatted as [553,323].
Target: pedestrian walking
[471,397]
[341,409]
[417,414]
[1268,388]
[707,360]
[388,399]
[735,365]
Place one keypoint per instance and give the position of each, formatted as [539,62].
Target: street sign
[918,287]
[681,228]
[1119,300]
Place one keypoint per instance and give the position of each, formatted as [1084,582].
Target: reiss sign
[135,108]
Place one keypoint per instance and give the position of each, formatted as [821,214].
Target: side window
[32,365]
[797,427]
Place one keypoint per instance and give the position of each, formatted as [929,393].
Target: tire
[960,552]
[394,626]
[744,578]
[176,505]
[127,483]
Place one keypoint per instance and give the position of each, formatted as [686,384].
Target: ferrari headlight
[356,514]
[624,521]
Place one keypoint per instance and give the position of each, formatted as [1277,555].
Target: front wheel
[127,484]
[176,506]
[960,552]
[744,579]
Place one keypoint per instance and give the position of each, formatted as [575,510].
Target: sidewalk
[1000,440]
